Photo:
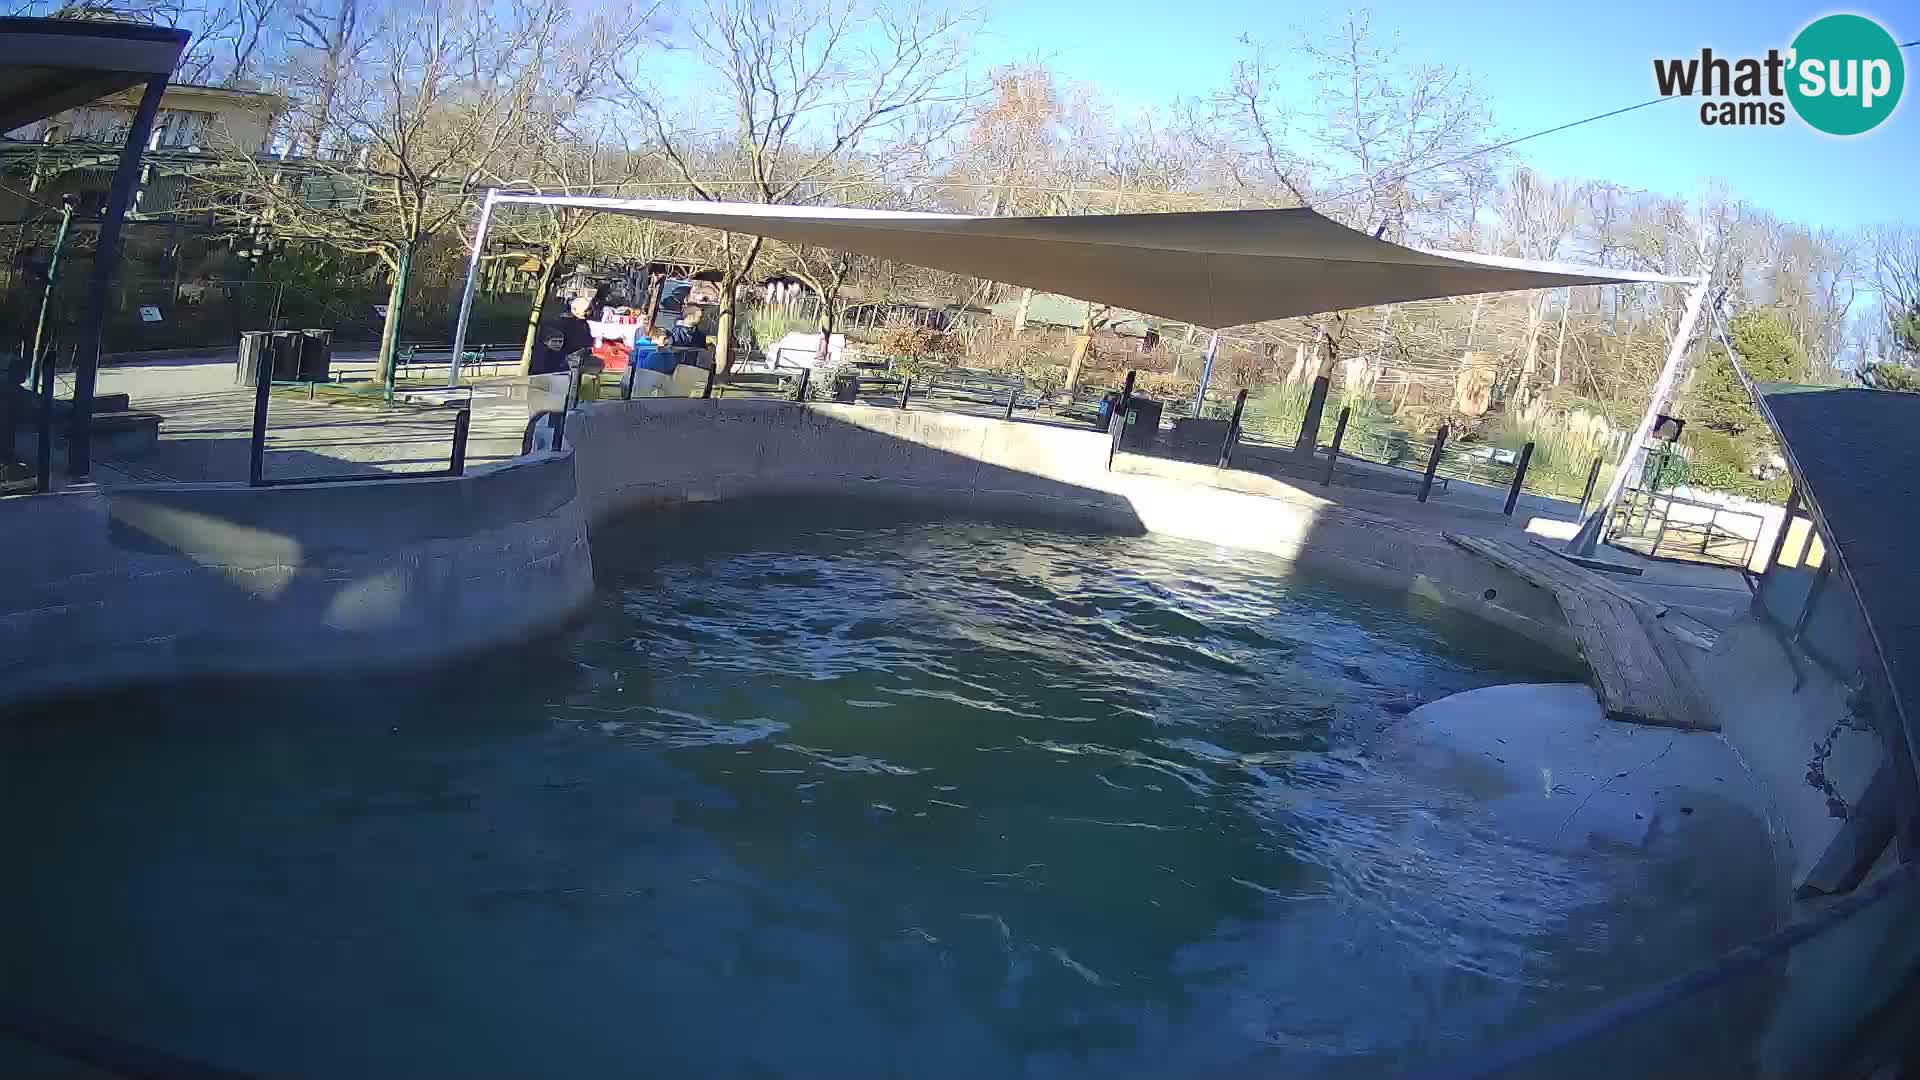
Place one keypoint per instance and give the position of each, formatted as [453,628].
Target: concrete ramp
[1640,673]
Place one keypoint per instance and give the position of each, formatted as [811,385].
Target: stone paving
[208,426]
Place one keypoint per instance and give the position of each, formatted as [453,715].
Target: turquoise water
[900,798]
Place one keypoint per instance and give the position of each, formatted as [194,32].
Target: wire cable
[1471,154]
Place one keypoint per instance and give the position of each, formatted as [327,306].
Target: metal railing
[1644,522]
[257,444]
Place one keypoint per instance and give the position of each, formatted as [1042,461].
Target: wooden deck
[1640,673]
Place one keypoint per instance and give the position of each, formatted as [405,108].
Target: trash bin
[846,388]
[1143,424]
[316,356]
[256,352]
[288,345]
[1107,402]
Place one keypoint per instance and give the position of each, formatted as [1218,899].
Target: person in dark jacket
[687,334]
[574,333]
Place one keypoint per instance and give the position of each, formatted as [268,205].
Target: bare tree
[1894,269]
[330,38]
[815,86]
[1537,216]
[409,131]
[569,144]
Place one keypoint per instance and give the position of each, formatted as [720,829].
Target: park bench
[426,355]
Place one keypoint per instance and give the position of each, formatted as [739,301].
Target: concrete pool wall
[319,581]
[636,454]
[174,580]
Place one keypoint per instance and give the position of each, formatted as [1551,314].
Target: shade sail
[1216,268]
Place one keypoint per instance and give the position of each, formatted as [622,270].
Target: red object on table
[613,355]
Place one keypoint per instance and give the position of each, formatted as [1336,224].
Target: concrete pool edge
[324,580]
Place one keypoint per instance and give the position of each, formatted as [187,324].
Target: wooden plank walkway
[1641,674]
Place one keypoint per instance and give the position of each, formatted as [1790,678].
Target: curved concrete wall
[116,585]
[640,453]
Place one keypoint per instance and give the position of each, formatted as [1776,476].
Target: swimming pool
[892,797]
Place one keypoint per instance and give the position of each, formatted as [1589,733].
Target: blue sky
[1538,66]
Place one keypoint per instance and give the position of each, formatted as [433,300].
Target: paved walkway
[209,424]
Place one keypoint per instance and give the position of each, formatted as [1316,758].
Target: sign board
[1668,428]
[380,310]
[149,314]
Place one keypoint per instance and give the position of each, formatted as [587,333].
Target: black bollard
[1519,478]
[257,450]
[1433,462]
[1233,429]
[1333,452]
[1593,477]
[461,421]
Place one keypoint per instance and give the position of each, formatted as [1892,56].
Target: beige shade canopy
[1216,268]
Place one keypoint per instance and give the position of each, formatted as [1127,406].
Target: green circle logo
[1846,74]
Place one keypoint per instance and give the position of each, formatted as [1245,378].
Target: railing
[1644,522]
[257,445]
[1693,1025]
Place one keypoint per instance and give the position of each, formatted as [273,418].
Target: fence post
[1519,477]
[707,392]
[257,450]
[1433,462]
[1593,475]
[906,391]
[43,483]
[461,421]
[800,394]
[1233,429]
[1333,452]
[1117,423]
[1012,393]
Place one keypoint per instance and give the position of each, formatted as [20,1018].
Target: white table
[613,331]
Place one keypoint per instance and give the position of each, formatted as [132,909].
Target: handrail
[1663,997]
[257,442]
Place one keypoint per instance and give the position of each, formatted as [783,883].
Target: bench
[423,355]
[979,387]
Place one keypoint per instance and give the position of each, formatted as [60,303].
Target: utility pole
[1587,540]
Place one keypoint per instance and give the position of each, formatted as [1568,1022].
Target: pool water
[897,798]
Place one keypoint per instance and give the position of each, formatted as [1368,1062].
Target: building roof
[56,64]
[1855,455]
[1214,269]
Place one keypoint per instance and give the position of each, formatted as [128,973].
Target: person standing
[688,333]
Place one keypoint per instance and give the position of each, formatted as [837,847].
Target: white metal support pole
[466,294]
[1587,539]
[1206,373]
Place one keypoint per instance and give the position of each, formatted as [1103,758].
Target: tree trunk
[1303,447]
[723,326]
[1082,344]
[1020,313]
[828,303]
[541,285]
[1536,314]
[396,301]
[1560,345]
[656,284]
